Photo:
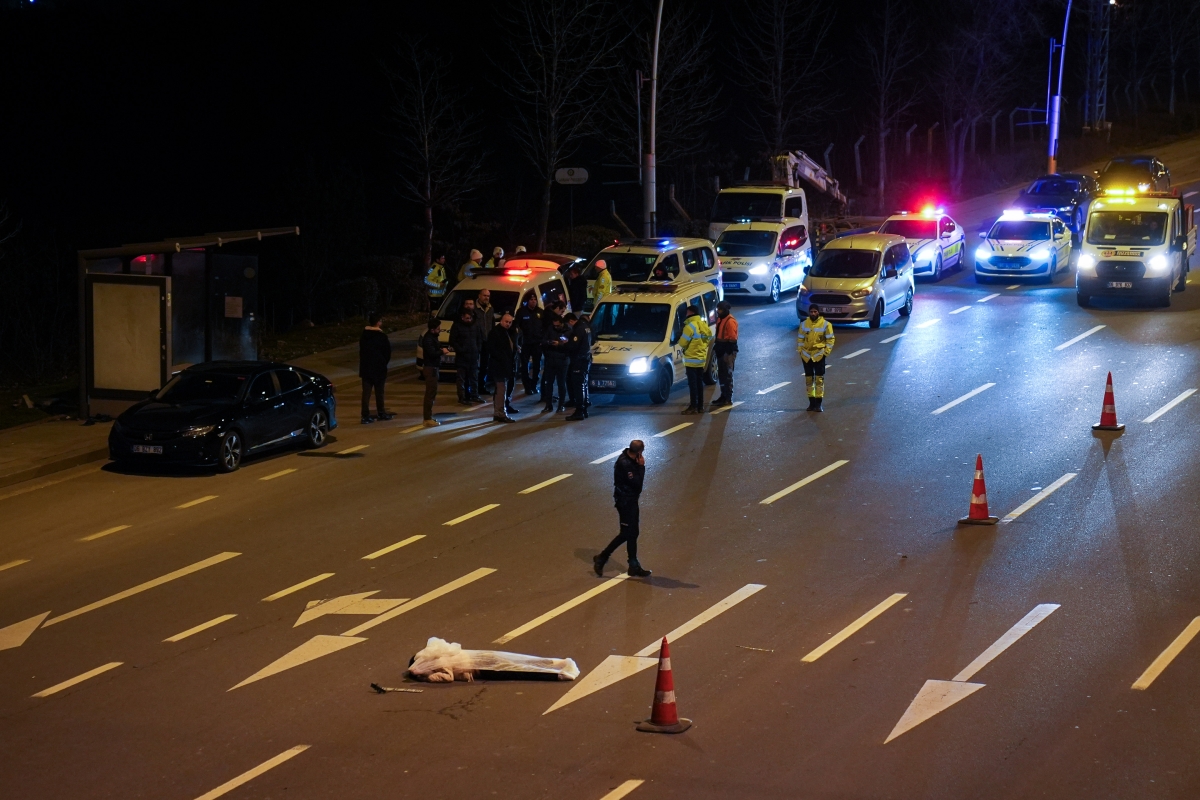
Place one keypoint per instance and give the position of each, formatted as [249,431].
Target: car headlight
[983,254]
[1040,254]
[1086,263]
[1158,263]
[924,255]
[858,294]
[1143,187]
[759,269]
[196,431]
[639,366]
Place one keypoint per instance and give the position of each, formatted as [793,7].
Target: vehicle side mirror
[983,234]
[1181,244]
[890,272]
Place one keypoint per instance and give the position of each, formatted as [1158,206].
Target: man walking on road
[628,475]
[502,362]
[374,353]
[815,343]
[725,349]
[529,322]
[431,358]
[696,335]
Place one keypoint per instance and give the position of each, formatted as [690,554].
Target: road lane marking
[391,547]
[669,431]
[963,399]
[1170,405]
[416,602]
[12,564]
[1039,497]
[929,322]
[936,696]
[301,585]
[722,409]
[1167,656]
[562,609]
[350,604]
[961,309]
[142,587]
[67,684]
[752,313]
[628,786]
[1014,286]
[475,513]
[104,532]
[609,457]
[249,775]
[857,353]
[354,449]
[413,428]
[1079,338]
[858,624]
[989,297]
[798,484]
[198,501]
[15,635]
[203,626]
[617,668]
[544,484]
[770,389]
[892,338]
[275,475]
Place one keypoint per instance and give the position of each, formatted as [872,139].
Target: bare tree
[891,51]
[779,51]
[438,152]
[553,71]
[1178,33]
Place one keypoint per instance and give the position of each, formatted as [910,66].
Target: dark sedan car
[1066,195]
[1133,174]
[219,412]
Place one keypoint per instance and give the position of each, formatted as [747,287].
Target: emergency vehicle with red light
[935,240]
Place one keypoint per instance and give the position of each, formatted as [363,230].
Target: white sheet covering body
[442,662]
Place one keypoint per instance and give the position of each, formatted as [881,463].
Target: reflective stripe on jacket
[815,340]
[695,338]
[435,279]
[601,285]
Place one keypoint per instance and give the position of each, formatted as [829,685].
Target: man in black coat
[629,473]
[467,340]
[431,356]
[581,362]
[502,365]
[557,355]
[529,323]
[577,287]
[374,353]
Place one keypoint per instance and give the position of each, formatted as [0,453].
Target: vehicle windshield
[1135,228]
[628,266]
[746,244]
[911,228]
[201,387]
[631,322]
[501,302]
[732,206]
[1054,187]
[1021,230]
[846,264]
[1128,165]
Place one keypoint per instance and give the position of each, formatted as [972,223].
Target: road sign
[571,176]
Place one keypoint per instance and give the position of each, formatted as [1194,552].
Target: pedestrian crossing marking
[1167,656]
[858,624]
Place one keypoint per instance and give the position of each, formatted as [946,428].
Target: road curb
[50,467]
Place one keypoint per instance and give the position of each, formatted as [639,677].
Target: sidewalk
[41,448]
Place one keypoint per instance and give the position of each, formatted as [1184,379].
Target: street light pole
[649,189]
[1055,109]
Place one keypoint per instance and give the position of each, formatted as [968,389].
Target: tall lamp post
[1056,102]
[649,189]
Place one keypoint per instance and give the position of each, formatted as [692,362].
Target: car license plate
[604,384]
[732,285]
[834,309]
[148,449]
[1120,285]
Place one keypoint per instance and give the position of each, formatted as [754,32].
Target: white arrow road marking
[348,604]
[963,399]
[142,587]
[1167,656]
[297,587]
[1039,497]
[1079,338]
[249,775]
[1170,405]
[16,634]
[628,786]
[937,696]
[11,564]
[857,353]
[614,669]
[989,297]
[562,609]
[770,389]
[67,684]
[854,627]
[417,602]
[544,484]
[804,482]
[721,409]
[203,626]
[475,513]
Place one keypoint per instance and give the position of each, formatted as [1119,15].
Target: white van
[637,330]
[666,259]
[757,201]
[764,259]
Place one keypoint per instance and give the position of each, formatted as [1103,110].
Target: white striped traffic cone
[978,513]
[664,717]
[1108,412]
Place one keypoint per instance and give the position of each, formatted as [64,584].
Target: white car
[935,241]
[1021,245]
[764,259]
[667,259]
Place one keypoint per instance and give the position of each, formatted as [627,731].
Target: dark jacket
[501,353]
[577,293]
[431,349]
[374,353]
[485,318]
[529,322]
[628,476]
[556,348]
[466,338]
[580,345]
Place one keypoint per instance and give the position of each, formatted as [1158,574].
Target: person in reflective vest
[435,281]
[694,342]
[602,283]
[815,343]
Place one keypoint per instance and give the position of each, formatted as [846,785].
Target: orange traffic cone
[978,513]
[664,718]
[1108,413]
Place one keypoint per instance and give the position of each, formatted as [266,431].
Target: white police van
[764,258]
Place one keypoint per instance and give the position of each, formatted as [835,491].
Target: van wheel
[937,268]
[1084,300]
[1182,285]
[776,289]
[710,374]
[663,390]
[229,451]
[877,317]
[1051,271]
[906,309]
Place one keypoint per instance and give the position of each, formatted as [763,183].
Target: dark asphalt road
[1113,548]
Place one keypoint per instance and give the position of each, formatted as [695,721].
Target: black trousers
[377,386]
[577,383]
[695,376]
[725,365]
[431,387]
[628,514]
[467,366]
[551,375]
[530,366]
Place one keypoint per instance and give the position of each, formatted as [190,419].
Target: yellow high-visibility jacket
[695,339]
[435,279]
[815,340]
[601,285]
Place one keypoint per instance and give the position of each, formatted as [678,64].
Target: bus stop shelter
[148,310]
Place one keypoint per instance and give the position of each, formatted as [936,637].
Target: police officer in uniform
[815,343]
[629,474]
[581,361]
[530,322]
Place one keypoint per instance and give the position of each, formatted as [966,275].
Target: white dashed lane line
[892,338]
[475,513]
[854,627]
[67,684]
[11,564]
[963,399]
[197,501]
[561,609]
[960,309]
[1014,286]
[669,431]
[857,353]
[249,775]
[928,322]
[1039,497]
[203,626]
[103,533]
[804,482]
[297,587]
[609,457]
[989,297]
[1079,338]
[770,389]
[392,547]
[628,786]
[721,409]
[1167,656]
[1183,396]
[544,484]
